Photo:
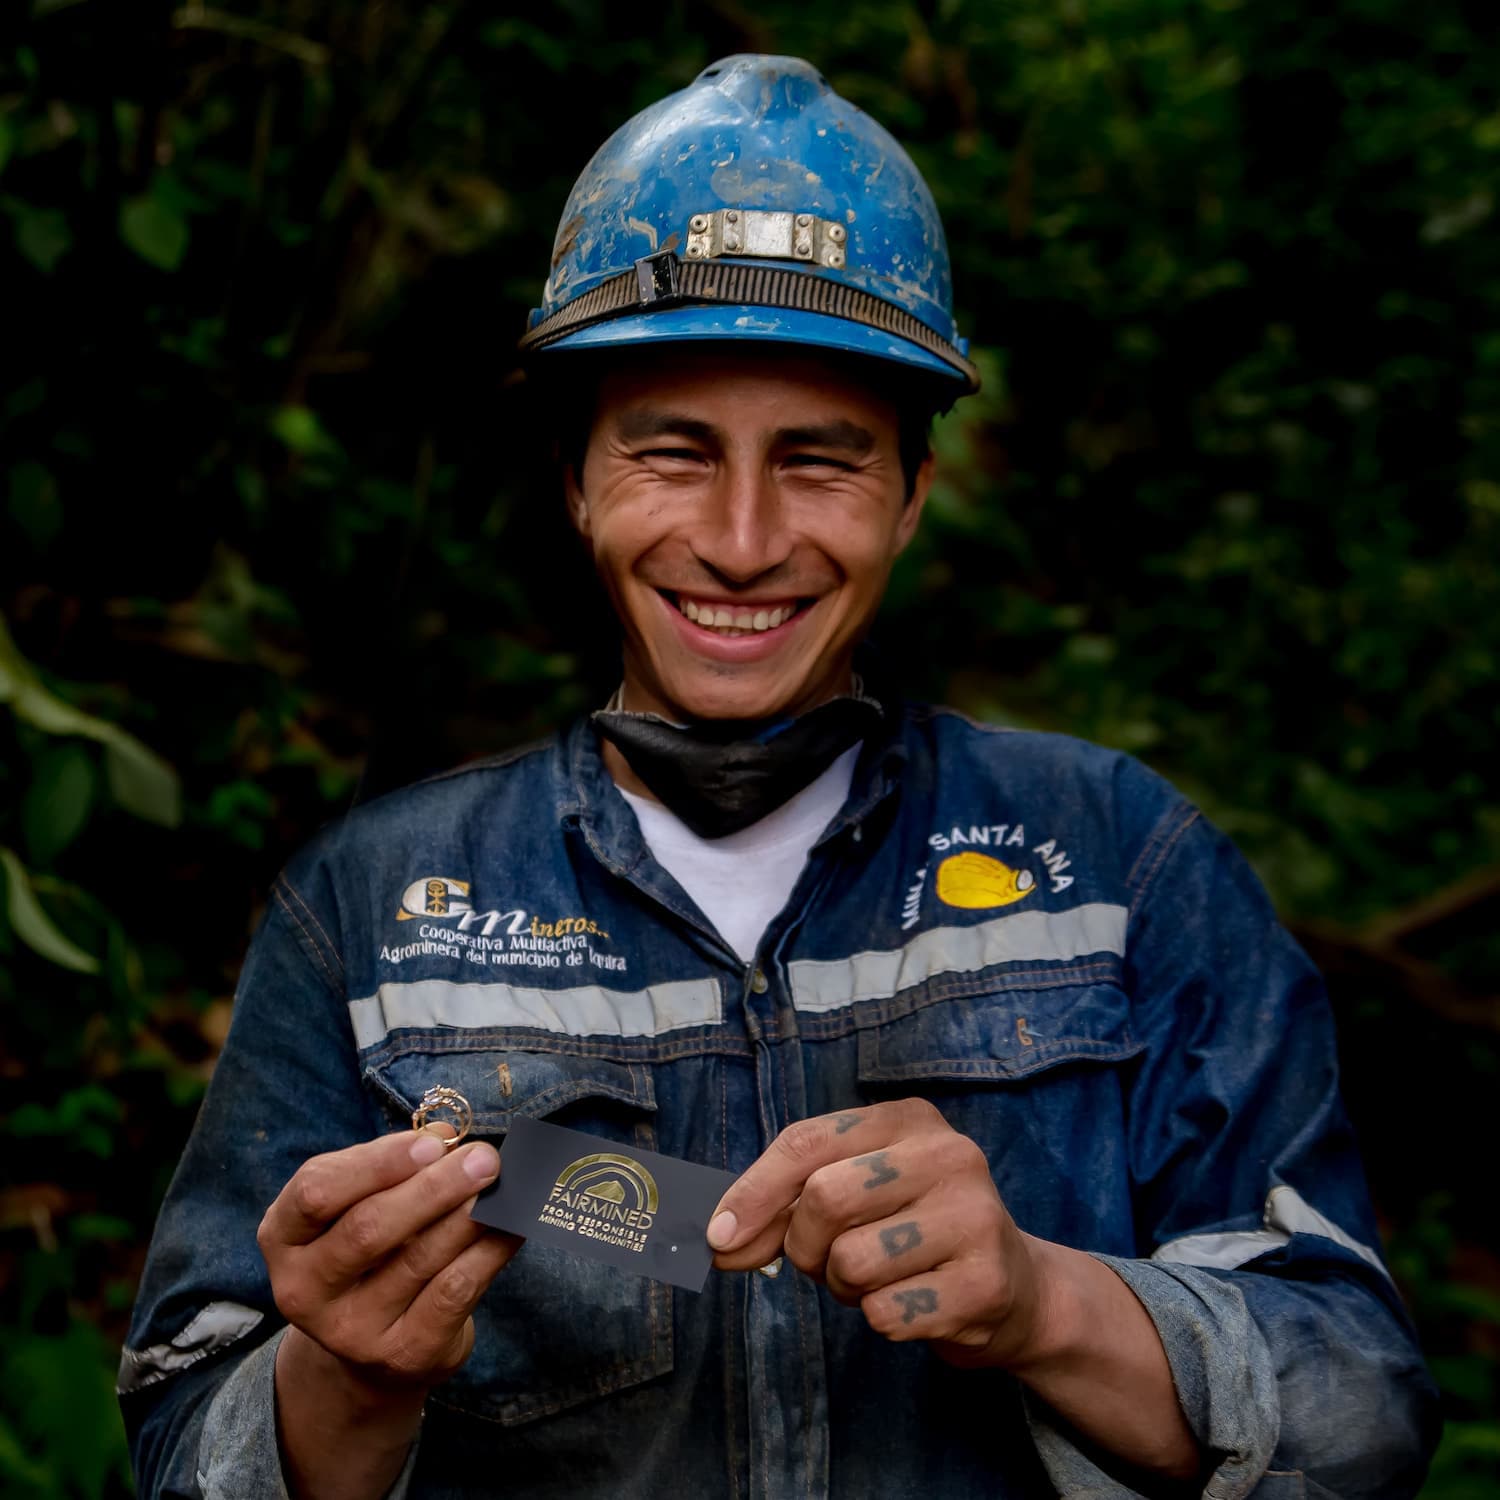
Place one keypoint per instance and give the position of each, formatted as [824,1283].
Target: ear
[906,528]
[578,508]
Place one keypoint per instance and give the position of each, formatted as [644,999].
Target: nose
[742,531]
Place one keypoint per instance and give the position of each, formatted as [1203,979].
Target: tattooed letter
[881,1171]
[916,1302]
[900,1238]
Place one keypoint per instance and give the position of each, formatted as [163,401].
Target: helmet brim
[692,322]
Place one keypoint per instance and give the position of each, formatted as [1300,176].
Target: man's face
[744,514]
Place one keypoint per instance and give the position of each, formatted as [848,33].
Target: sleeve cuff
[1225,1379]
[239,1457]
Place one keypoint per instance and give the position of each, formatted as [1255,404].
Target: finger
[918,1307]
[775,1180]
[380,1224]
[435,1335]
[390,1289]
[872,1256]
[761,1251]
[859,1191]
[325,1186]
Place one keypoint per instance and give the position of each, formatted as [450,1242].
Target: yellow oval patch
[975,881]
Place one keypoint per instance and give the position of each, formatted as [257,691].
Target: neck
[631,699]
[619,769]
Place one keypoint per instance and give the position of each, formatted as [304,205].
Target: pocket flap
[999,1037]
[501,1084]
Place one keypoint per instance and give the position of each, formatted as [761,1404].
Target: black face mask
[720,776]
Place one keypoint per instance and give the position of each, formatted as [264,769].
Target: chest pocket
[553,1330]
[1039,1078]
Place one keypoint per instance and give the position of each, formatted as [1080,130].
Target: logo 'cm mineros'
[434,896]
[606,1196]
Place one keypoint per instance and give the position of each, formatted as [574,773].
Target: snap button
[773,1270]
[759,983]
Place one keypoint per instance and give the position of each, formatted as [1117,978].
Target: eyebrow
[840,435]
[649,423]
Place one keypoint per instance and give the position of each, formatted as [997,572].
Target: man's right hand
[377,1266]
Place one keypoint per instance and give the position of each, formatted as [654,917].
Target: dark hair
[565,387]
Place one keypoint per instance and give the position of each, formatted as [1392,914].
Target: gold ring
[446,1103]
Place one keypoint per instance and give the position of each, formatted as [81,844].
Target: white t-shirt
[742,880]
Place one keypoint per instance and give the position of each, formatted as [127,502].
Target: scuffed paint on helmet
[752,137]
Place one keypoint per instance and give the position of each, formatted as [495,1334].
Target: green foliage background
[270,507]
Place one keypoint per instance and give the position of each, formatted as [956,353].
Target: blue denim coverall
[1040,936]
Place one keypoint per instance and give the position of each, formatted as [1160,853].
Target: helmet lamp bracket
[656,278]
[765,234]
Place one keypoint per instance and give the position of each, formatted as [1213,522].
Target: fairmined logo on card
[637,1210]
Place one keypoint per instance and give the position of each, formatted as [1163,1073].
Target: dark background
[270,505]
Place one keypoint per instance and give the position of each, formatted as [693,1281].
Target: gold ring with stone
[450,1107]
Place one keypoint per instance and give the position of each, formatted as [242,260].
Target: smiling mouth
[733,620]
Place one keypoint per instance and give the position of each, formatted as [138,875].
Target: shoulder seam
[934,710]
[280,891]
[1158,849]
[496,762]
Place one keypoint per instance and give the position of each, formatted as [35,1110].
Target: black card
[637,1210]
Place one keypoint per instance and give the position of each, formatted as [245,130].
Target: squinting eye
[816,461]
[677,455]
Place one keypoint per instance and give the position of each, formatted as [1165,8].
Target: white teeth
[737,622]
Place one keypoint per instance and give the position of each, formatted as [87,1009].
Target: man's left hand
[896,1212]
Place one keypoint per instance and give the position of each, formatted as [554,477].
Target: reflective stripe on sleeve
[218,1325]
[1022,937]
[588,1010]
[1287,1213]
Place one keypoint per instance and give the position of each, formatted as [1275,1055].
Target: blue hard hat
[755,203]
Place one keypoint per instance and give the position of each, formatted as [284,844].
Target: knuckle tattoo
[915,1302]
[898,1239]
[843,1124]
[881,1170]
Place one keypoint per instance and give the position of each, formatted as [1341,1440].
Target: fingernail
[722,1229]
[426,1149]
[481,1162]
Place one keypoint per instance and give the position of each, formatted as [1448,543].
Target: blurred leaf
[300,429]
[139,779]
[103,1227]
[83,1119]
[33,926]
[25,1477]
[34,505]
[59,1394]
[57,802]
[155,230]
[42,234]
